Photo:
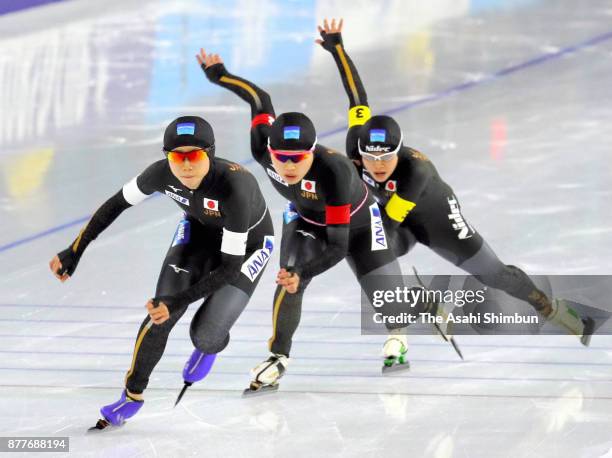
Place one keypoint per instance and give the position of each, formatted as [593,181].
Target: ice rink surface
[510,99]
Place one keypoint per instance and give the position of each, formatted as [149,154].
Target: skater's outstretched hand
[56,267]
[213,67]
[208,60]
[64,264]
[290,280]
[158,314]
[331,35]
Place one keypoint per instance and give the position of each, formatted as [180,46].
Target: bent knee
[209,343]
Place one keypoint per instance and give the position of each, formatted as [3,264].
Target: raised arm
[359,111]
[262,111]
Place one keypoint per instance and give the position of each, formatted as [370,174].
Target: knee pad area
[208,342]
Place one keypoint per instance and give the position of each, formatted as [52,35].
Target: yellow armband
[359,115]
[398,208]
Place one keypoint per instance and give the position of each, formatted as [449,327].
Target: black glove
[330,40]
[69,260]
[294,270]
[215,72]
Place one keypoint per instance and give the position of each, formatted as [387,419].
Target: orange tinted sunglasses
[179,157]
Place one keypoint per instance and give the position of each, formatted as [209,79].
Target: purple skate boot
[197,367]
[116,413]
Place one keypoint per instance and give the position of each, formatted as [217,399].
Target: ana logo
[391,185]
[175,189]
[309,186]
[290,214]
[179,199]
[276,176]
[181,237]
[378,149]
[379,239]
[368,179]
[253,266]
[465,231]
[211,204]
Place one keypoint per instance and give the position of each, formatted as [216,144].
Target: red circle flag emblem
[390,185]
[309,186]
[211,204]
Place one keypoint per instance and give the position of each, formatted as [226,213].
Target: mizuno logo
[175,189]
[178,270]
[306,234]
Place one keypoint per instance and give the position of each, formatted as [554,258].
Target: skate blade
[450,339]
[101,426]
[180,396]
[589,327]
[258,390]
[456,347]
[395,368]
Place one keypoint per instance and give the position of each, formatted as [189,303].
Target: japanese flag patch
[211,204]
[309,186]
[391,185]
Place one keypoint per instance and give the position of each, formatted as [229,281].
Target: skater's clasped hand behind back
[158,314]
[289,280]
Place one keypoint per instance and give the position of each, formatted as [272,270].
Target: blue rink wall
[11,6]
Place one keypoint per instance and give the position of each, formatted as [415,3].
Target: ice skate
[115,414]
[266,375]
[196,368]
[394,352]
[437,309]
[567,318]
